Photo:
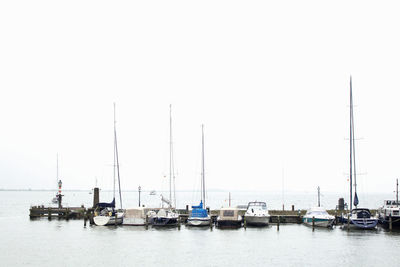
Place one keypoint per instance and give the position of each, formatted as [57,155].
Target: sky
[268,79]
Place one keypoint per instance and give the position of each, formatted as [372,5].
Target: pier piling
[277,224]
[390,222]
[313,223]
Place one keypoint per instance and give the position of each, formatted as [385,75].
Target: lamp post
[139,194]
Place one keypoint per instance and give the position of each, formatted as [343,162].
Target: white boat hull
[108,220]
[257,220]
[134,221]
[318,222]
[199,221]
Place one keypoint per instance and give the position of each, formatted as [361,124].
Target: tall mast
[351,147]
[203,184]
[319,203]
[397,191]
[170,155]
[117,161]
[114,156]
[354,152]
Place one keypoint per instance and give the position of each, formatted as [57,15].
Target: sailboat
[57,198]
[318,215]
[357,218]
[168,216]
[106,213]
[199,215]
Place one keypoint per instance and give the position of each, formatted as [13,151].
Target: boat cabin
[361,213]
[229,213]
[257,206]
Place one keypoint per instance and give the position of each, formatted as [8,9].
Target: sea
[43,242]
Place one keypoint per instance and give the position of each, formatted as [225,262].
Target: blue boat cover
[198,211]
[106,205]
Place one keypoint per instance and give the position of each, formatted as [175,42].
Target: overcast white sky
[269,79]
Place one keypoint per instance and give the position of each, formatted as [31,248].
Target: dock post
[277,225]
[49,213]
[313,223]
[211,223]
[245,223]
[115,220]
[147,222]
[84,218]
[67,214]
[179,223]
[390,222]
[348,222]
[96,196]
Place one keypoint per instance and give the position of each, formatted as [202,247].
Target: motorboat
[389,211]
[320,217]
[229,218]
[135,216]
[257,214]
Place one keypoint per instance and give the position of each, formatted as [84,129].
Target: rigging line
[119,179]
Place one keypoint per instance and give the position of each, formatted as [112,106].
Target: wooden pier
[56,212]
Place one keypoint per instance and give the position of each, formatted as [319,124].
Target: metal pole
[139,194]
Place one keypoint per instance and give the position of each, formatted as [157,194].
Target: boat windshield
[317,212]
[259,205]
[391,202]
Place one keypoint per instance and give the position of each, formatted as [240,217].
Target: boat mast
[354,151]
[203,184]
[170,156]
[397,191]
[116,161]
[114,156]
[351,147]
[319,204]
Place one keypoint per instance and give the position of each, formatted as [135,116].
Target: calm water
[62,243]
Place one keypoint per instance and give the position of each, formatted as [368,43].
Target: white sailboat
[168,216]
[358,218]
[199,215]
[106,213]
[55,199]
